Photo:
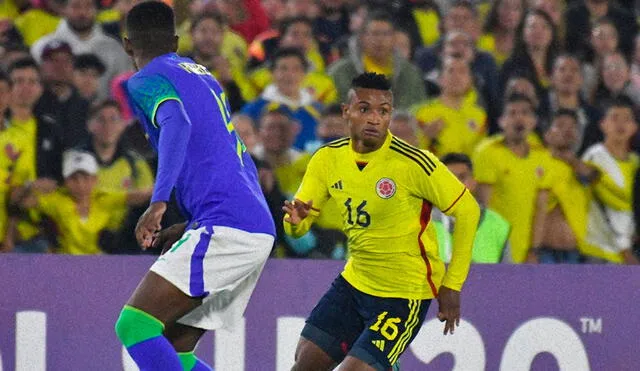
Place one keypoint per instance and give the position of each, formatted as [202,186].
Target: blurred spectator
[275,11]
[80,210]
[402,44]
[499,32]
[374,53]
[535,50]
[14,164]
[511,173]
[60,99]
[419,19]
[562,219]
[566,79]
[405,126]
[296,33]
[580,15]
[604,41]
[635,63]
[555,9]
[87,71]
[9,34]
[288,69]
[610,219]
[453,122]
[491,244]
[616,81]
[80,30]
[277,131]
[233,46]
[457,42]
[331,24]
[11,53]
[115,27]
[462,16]
[246,17]
[246,129]
[207,33]
[120,168]
[40,21]
[357,16]
[331,126]
[44,148]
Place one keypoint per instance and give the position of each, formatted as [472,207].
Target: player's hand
[296,210]
[167,237]
[149,224]
[449,308]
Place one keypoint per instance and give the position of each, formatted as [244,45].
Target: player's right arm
[311,196]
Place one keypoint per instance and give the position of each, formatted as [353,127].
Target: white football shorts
[221,264]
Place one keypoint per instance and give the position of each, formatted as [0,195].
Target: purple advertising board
[58,313]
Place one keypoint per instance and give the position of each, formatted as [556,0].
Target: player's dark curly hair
[371,80]
[150,25]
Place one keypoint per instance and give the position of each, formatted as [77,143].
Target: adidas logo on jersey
[379,344]
[337,185]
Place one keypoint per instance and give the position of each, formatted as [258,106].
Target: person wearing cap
[80,210]
[119,168]
[87,71]
[60,99]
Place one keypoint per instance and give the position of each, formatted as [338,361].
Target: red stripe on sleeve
[425,217]
[455,202]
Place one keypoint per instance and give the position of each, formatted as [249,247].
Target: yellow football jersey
[385,199]
[78,235]
[571,196]
[118,176]
[463,128]
[515,184]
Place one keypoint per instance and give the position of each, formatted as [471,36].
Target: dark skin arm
[449,308]
[167,237]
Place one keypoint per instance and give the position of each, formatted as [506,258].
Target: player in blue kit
[204,281]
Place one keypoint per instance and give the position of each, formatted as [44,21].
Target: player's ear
[345,111]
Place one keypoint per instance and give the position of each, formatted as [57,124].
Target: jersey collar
[368,157]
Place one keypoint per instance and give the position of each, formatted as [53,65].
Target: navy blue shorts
[373,329]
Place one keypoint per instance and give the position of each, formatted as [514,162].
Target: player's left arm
[445,191]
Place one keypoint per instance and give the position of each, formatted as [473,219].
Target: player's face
[517,121]
[368,115]
[619,124]
[80,184]
[26,87]
[464,175]
[107,126]
[567,76]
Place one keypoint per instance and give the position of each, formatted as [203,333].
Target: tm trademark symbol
[591,325]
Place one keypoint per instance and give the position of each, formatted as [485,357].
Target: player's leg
[184,340]
[171,289]
[390,326]
[332,327]
[155,303]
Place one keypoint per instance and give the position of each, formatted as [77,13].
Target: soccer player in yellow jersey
[512,174]
[385,189]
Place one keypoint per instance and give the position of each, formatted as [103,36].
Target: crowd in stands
[533,104]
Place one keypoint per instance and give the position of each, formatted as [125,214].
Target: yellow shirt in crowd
[515,184]
[79,235]
[463,128]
